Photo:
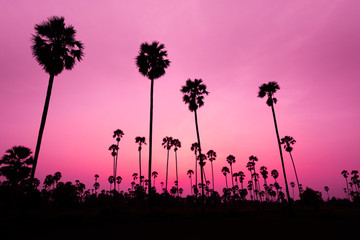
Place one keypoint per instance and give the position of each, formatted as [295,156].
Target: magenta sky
[311,48]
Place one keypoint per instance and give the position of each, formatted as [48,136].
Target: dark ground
[256,223]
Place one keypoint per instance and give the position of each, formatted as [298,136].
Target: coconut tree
[230,160]
[111,180]
[241,179]
[275,174]
[167,144]
[269,90]
[151,62]
[190,172]
[154,174]
[55,49]
[288,141]
[140,141]
[211,154]
[345,175]
[195,148]
[292,184]
[118,181]
[177,144]
[264,173]
[114,151]
[118,134]
[194,92]
[225,171]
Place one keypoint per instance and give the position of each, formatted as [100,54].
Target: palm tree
[151,62]
[118,181]
[241,179]
[167,143]
[57,177]
[292,184]
[114,149]
[54,48]
[177,144]
[195,149]
[225,171]
[264,173]
[275,174]
[190,172]
[269,90]
[211,154]
[326,188]
[346,174]
[140,140]
[194,92]
[118,134]
[154,174]
[288,141]
[231,159]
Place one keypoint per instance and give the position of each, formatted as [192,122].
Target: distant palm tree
[118,134]
[241,179]
[195,149]
[345,175]
[177,144]
[114,149]
[190,172]
[154,175]
[211,154]
[264,173]
[288,141]
[225,171]
[118,181]
[230,160]
[152,63]
[269,90]
[194,92]
[96,176]
[140,140]
[55,48]
[292,184]
[275,174]
[326,188]
[167,144]
[111,180]
[57,177]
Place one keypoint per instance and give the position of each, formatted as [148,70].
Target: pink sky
[311,48]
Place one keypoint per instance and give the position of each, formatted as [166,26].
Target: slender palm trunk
[232,178]
[177,176]
[140,166]
[191,191]
[212,172]
[42,125]
[150,135]
[167,169]
[115,165]
[297,180]
[201,165]
[281,156]
[196,170]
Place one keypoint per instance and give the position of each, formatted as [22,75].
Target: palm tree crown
[151,61]
[269,89]
[55,47]
[193,93]
[118,134]
[288,141]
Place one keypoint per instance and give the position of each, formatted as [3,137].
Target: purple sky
[311,48]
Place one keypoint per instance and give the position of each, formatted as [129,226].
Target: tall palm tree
[195,148]
[118,134]
[211,154]
[190,172]
[114,151]
[225,171]
[241,179]
[230,160]
[177,144]
[288,141]
[140,140]
[194,92]
[54,48]
[167,144]
[151,62]
[345,175]
[154,174]
[269,90]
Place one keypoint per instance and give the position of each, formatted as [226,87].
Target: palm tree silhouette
[288,141]
[269,90]
[111,180]
[241,179]
[167,144]
[264,173]
[54,48]
[211,154]
[292,184]
[140,140]
[118,181]
[118,134]
[195,149]
[114,149]
[57,177]
[194,92]
[177,144]
[231,159]
[154,174]
[151,63]
[225,171]
[345,175]
[190,172]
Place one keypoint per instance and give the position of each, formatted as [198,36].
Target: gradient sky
[311,48]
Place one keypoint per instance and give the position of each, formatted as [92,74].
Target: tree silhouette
[195,149]
[225,171]
[140,140]
[326,188]
[154,174]
[16,164]
[114,151]
[118,134]
[345,175]
[269,90]
[230,160]
[118,181]
[194,92]
[167,144]
[211,154]
[288,141]
[177,144]
[151,63]
[190,172]
[54,48]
